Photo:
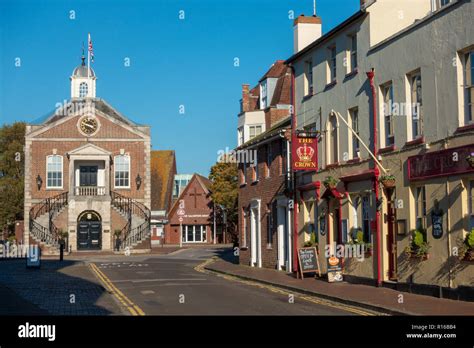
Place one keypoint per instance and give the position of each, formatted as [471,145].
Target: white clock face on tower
[88,125]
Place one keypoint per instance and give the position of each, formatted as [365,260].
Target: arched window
[122,171]
[54,171]
[83,88]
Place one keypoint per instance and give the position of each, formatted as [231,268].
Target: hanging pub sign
[304,151]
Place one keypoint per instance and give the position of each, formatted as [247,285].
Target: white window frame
[129,172]
[83,86]
[254,127]
[332,142]
[468,90]
[419,195]
[352,53]
[332,64]
[48,171]
[355,127]
[416,112]
[203,233]
[240,134]
[388,100]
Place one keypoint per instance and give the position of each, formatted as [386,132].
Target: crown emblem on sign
[305,153]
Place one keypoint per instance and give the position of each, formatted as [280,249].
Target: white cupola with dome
[82,83]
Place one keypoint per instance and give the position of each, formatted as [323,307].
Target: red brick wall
[273,116]
[41,149]
[266,189]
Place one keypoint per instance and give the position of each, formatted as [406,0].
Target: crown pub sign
[304,151]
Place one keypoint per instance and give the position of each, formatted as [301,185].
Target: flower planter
[330,186]
[390,183]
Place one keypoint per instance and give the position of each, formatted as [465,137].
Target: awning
[358,176]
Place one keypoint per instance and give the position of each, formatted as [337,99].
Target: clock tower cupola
[83,81]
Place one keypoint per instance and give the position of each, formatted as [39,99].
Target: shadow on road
[57,288]
[228,255]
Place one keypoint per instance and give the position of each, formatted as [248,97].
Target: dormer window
[83,89]
[264,94]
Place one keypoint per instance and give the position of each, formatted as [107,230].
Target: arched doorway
[89,231]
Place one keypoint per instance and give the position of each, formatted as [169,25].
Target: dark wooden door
[88,176]
[89,235]
[392,242]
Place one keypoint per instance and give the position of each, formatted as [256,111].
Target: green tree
[225,192]
[12,165]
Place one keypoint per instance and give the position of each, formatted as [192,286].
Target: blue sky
[173,62]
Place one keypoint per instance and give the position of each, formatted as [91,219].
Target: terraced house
[87,175]
[395,77]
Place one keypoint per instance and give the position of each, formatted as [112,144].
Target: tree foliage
[225,191]
[12,165]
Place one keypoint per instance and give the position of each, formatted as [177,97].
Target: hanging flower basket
[470,160]
[330,182]
[388,181]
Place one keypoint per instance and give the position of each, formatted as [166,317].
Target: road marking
[124,300]
[156,280]
[147,292]
[313,299]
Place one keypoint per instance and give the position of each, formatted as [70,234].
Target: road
[170,285]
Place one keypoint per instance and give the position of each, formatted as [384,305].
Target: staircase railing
[129,207]
[50,206]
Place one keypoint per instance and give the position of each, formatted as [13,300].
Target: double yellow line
[124,300]
[324,302]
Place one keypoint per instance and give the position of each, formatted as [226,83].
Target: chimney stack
[245,98]
[305,31]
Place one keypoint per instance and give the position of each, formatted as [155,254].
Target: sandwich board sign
[33,257]
[334,269]
[308,261]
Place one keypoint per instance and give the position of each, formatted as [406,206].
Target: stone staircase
[43,231]
[136,233]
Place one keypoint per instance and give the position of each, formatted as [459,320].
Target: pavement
[380,299]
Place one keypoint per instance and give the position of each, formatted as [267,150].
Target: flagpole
[88,58]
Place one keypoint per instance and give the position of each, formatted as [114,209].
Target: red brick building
[88,174]
[264,219]
[194,206]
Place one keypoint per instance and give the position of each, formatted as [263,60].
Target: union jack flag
[91,50]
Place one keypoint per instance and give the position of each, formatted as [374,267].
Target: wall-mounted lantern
[138,181]
[39,182]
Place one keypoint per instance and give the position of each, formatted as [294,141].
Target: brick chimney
[245,98]
[305,31]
